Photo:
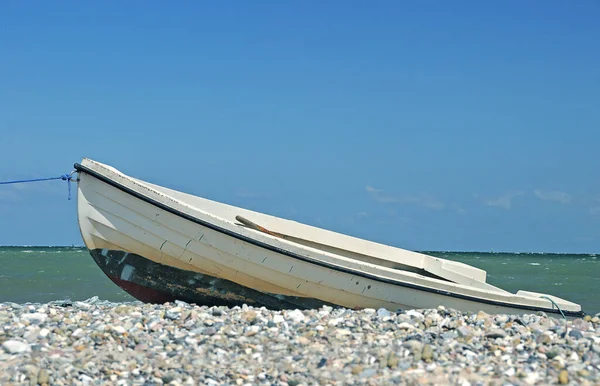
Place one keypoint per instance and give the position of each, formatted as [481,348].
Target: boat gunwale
[81,168]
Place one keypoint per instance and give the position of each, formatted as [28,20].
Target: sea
[46,274]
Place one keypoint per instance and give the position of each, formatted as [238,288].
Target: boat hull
[159,252]
[152,282]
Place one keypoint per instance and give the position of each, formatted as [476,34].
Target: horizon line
[424,251]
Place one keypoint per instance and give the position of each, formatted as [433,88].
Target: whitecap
[534,264]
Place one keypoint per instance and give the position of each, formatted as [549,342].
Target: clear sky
[431,125]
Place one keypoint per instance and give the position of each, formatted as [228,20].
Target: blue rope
[64,177]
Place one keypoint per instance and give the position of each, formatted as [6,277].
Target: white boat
[161,245]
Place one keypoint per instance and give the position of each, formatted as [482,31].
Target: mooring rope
[546,297]
[64,177]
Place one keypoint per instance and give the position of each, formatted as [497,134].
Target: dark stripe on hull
[141,293]
[151,282]
[80,168]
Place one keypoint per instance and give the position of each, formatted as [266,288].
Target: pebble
[464,331]
[14,346]
[495,333]
[97,342]
[427,354]
[576,334]
[563,377]
[43,377]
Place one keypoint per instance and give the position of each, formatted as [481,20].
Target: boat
[162,245]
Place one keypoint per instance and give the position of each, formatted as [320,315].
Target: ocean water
[43,274]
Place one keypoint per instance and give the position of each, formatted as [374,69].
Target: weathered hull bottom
[151,282]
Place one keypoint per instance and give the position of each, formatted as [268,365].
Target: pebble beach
[96,342]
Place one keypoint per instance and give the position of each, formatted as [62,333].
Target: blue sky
[427,125]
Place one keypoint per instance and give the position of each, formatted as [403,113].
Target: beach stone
[392,361]
[367,373]
[495,333]
[16,347]
[482,316]
[413,345]
[553,353]
[31,334]
[583,373]
[43,378]
[532,378]
[35,317]
[172,315]
[250,316]
[464,331]
[543,339]
[322,363]
[435,317]
[253,330]
[121,309]
[415,314]
[563,377]
[357,369]
[449,335]
[296,316]
[582,324]
[576,334]
[427,354]
[510,372]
